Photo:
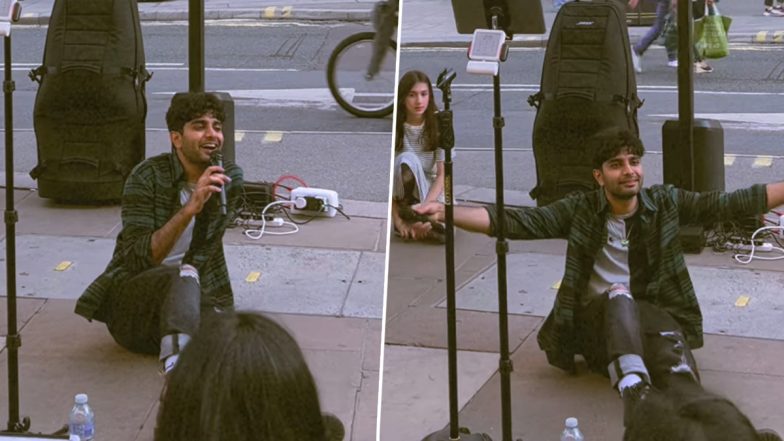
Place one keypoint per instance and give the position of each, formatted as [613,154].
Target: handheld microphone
[217,159]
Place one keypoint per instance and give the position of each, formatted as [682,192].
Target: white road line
[648,89]
[170,67]
[767,122]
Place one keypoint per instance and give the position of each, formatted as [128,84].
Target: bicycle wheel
[346,76]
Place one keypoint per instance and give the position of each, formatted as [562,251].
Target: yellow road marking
[239,135]
[729,160]
[273,136]
[253,277]
[761,36]
[269,12]
[778,36]
[556,285]
[286,11]
[762,161]
[62,266]
[742,301]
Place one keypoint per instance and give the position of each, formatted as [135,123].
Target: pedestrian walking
[671,42]
[665,23]
[656,29]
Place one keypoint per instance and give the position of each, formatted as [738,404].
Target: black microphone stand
[13,340]
[452,432]
[502,246]
[15,428]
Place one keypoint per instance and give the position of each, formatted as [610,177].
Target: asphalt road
[744,93]
[276,73]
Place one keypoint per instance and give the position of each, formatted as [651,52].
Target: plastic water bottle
[81,421]
[571,432]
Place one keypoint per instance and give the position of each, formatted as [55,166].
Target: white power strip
[765,247]
[314,201]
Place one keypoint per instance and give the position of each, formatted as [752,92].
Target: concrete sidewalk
[37,12]
[415,398]
[431,23]
[324,283]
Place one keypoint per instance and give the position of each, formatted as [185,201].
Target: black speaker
[708,156]
[708,168]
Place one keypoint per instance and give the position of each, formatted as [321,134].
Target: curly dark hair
[608,143]
[430,133]
[191,105]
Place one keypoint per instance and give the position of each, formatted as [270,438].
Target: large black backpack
[588,83]
[90,107]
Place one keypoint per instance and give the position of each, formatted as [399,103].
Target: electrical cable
[277,184]
[740,257]
[256,234]
[286,212]
[339,209]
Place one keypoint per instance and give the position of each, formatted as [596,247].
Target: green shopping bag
[710,34]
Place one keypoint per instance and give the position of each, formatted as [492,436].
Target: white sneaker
[672,63]
[702,67]
[636,61]
[773,12]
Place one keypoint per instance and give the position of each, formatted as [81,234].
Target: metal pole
[501,248]
[686,88]
[13,340]
[196,45]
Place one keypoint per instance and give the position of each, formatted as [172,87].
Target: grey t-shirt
[612,263]
[184,241]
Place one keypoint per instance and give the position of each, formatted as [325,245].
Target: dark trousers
[153,304]
[612,329]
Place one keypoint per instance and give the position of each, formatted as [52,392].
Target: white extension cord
[256,234]
[766,247]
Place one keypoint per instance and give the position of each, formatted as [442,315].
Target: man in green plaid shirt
[168,267]
[625,284]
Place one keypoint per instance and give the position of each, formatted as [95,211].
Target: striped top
[413,141]
[150,198]
[661,278]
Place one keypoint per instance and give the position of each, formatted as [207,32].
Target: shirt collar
[178,172]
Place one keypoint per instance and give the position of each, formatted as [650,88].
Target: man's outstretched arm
[474,219]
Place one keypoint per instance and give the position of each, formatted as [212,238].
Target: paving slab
[293,280]
[285,272]
[365,295]
[62,355]
[476,330]
[331,233]
[366,417]
[533,279]
[415,391]
[58,345]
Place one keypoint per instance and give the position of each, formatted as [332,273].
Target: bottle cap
[80,398]
[571,422]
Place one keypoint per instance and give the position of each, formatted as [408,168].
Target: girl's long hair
[241,378]
[430,132]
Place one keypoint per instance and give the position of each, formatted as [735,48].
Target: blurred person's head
[416,105]
[242,377]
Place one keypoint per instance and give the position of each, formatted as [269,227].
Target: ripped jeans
[621,335]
